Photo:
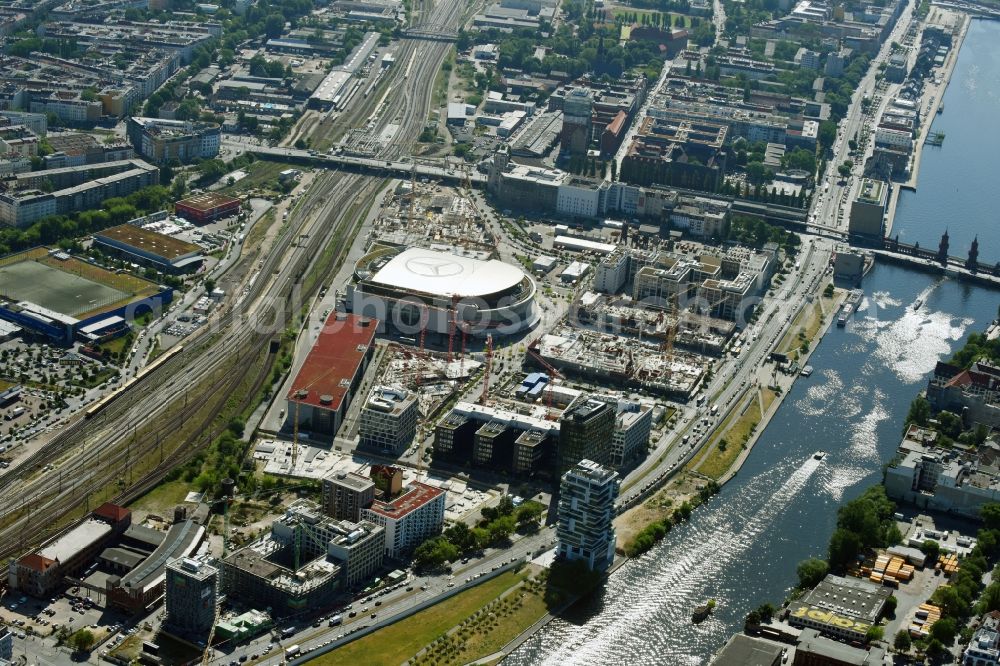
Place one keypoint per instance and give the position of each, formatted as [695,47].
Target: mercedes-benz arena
[414,288]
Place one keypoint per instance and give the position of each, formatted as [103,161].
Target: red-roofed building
[34,574]
[410,518]
[670,42]
[331,374]
[118,516]
[973,393]
[611,137]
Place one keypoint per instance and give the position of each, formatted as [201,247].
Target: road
[830,210]
[103,450]
[395,605]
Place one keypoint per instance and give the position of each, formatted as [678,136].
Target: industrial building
[586,430]
[207,207]
[149,248]
[417,288]
[586,531]
[841,607]
[331,374]
[192,594]
[144,584]
[813,649]
[389,419]
[333,90]
[743,650]
[345,494]
[40,572]
[408,519]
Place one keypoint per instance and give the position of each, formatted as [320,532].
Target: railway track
[89,455]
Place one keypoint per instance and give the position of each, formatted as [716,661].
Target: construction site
[692,331]
[652,365]
[433,215]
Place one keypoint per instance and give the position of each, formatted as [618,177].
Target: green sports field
[59,290]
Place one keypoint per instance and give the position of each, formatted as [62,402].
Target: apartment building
[408,519]
[345,494]
[586,532]
[160,140]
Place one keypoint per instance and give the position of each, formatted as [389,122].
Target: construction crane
[671,332]
[489,369]
[207,656]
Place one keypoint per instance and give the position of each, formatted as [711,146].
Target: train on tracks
[99,406]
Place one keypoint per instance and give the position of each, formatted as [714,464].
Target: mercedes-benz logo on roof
[433,267]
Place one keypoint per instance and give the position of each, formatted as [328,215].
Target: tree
[874,633]
[945,630]
[766,612]
[844,548]
[827,133]
[811,572]
[434,552]
[919,414]
[890,605]
[902,642]
[82,640]
[931,549]
[990,514]
[274,24]
[755,172]
[845,169]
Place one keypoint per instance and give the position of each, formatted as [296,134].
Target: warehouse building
[329,378]
[149,248]
[207,207]
[43,570]
[841,607]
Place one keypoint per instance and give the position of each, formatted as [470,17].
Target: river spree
[957,188]
[742,547]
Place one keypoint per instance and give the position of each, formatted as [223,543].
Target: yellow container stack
[948,563]
[890,570]
[926,616]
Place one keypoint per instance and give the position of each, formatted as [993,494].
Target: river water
[956,188]
[741,548]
